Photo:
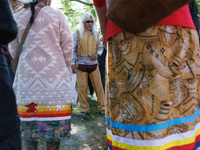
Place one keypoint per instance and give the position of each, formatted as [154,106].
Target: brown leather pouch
[136,16]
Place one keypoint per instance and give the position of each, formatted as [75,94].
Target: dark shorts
[87,68]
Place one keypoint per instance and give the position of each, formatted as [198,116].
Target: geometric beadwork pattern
[43,75]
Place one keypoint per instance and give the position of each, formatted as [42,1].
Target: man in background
[87,48]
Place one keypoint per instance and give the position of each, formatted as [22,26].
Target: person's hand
[94,57]
[74,68]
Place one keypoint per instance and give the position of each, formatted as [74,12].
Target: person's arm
[66,42]
[100,7]
[12,47]
[99,52]
[73,65]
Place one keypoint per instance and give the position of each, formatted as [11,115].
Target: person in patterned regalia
[43,76]
[87,47]
[153,83]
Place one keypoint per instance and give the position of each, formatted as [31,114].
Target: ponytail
[33,11]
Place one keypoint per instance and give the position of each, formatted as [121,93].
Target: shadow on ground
[88,133]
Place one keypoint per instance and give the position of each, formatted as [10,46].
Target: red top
[181,17]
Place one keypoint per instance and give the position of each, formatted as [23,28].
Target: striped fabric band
[147,128]
[180,141]
[33,112]
[183,141]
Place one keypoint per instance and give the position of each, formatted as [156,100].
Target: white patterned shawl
[44,71]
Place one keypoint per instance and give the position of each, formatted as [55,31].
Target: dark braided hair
[33,11]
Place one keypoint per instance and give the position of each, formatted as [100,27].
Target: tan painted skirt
[153,90]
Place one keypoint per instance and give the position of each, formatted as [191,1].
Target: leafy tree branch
[74,10]
[85,3]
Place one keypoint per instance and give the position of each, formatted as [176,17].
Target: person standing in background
[87,47]
[43,75]
[153,86]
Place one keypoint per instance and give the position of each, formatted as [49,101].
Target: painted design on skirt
[153,84]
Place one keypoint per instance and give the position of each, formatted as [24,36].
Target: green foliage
[198,3]
[75,10]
